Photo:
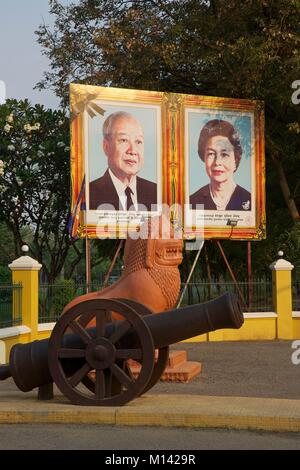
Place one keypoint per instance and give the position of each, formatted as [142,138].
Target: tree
[7,250]
[35,181]
[7,247]
[240,49]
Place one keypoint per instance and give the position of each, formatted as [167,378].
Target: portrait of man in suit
[120,186]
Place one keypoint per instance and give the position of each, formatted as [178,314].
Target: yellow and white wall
[282,323]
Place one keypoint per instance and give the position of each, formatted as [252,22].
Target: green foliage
[7,247]
[35,181]
[289,242]
[241,49]
[63,292]
[36,161]
[8,250]
[104,251]
[5,275]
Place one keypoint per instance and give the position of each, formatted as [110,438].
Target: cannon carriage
[88,353]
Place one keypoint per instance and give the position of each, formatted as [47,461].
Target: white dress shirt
[120,188]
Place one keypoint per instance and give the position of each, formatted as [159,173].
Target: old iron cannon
[89,365]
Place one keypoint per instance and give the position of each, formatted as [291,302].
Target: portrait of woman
[219,147]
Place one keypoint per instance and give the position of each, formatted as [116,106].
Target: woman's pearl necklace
[221,205]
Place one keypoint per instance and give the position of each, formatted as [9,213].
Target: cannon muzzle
[177,325]
[107,345]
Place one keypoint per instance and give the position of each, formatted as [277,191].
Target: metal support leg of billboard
[112,264]
[88,263]
[231,273]
[249,273]
[190,274]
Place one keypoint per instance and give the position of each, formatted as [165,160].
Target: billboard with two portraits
[136,153]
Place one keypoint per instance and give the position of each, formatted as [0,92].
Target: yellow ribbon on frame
[86,104]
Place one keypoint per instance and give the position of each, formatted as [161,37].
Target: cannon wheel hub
[100,354]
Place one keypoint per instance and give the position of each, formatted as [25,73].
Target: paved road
[240,368]
[255,369]
[94,437]
[234,368]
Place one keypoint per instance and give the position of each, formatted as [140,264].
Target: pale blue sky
[21,61]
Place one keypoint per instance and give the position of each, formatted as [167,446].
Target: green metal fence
[10,305]
[54,297]
[256,296]
[296,295]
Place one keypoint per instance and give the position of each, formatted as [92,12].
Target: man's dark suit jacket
[102,191]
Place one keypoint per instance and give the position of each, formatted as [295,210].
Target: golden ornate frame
[82,99]
[173,157]
[256,109]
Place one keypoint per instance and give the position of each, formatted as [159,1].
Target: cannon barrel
[28,363]
[177,325]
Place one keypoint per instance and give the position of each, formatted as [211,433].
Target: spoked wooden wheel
[162,353]
[161,356]
[75,350]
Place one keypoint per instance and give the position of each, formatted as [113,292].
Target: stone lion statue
[151,275]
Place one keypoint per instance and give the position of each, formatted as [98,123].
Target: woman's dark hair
[224,128]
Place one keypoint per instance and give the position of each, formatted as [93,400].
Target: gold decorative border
[257,231]
[82,99]
[173,159]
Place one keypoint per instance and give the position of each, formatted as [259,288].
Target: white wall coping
[23,329]
[25,263]
[46,326]
[2,352]
[260,315]
[296,314]
[14,331]
[281,265]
